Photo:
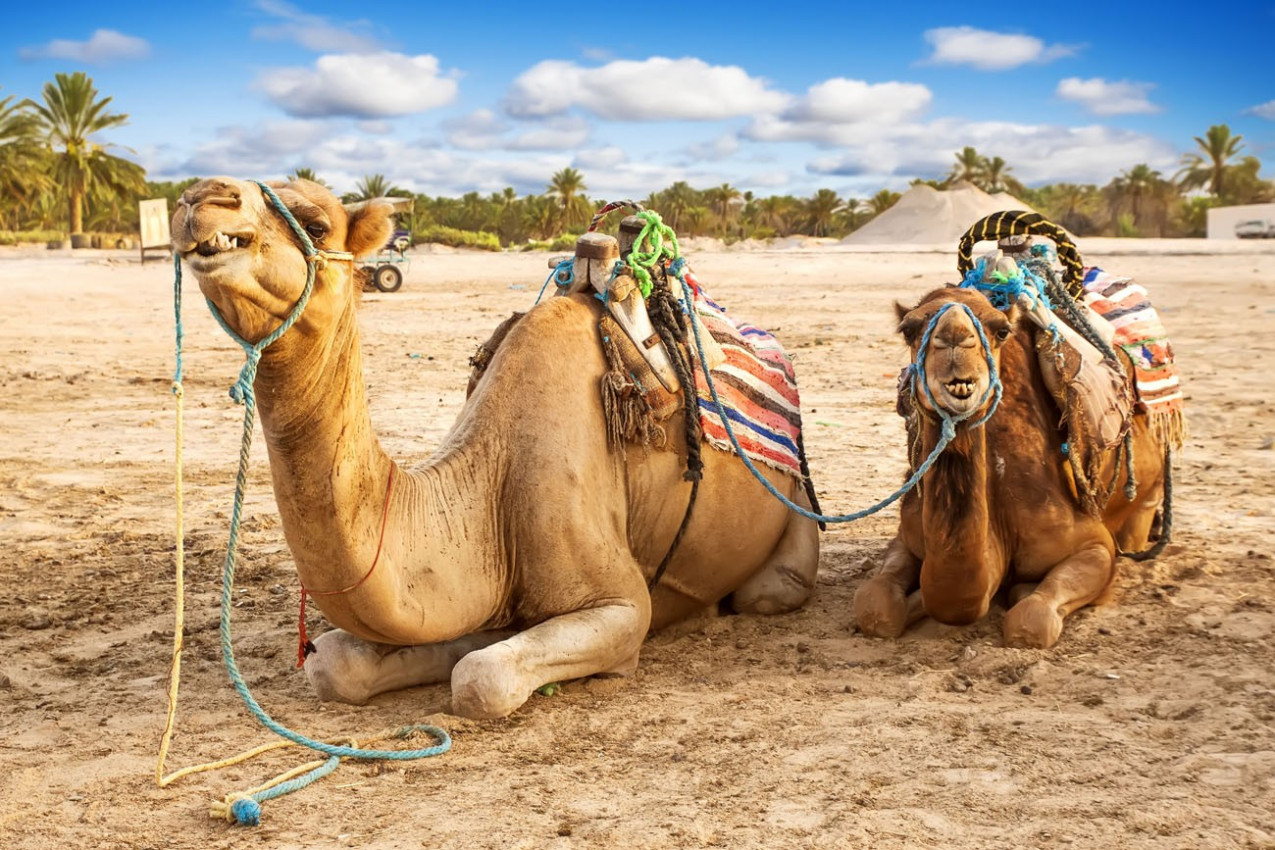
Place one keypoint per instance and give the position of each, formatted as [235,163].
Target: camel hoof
[1032,623]
[485,684]
[881,609]
[775,590]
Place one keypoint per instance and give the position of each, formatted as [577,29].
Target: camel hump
[481,358]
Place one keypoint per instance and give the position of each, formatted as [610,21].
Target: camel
[999,506]
[518,555]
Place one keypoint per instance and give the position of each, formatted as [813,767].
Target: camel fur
[999,508]
[518,554]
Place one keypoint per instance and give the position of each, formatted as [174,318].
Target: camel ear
[369,226]
[907,327]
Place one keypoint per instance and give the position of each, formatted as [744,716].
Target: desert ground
[1151,724]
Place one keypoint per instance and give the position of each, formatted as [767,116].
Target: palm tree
[307,174]
[721,199]
[1219,147]
[372,186]
[883,200]
[996,176]
[70,116]
[821,210]
[674,202]
[969,166]
[22,171]
[1143,195]
[568,187]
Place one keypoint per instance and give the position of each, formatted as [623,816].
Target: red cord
[304,647]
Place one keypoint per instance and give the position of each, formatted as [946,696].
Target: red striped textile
[757,386]
[1140,333]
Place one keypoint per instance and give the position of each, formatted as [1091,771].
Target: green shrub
[35,237]
[480,239]
[565,243]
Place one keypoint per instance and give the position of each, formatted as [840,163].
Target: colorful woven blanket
[1141,335]
[756,385]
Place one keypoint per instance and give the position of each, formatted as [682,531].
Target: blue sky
[773,98]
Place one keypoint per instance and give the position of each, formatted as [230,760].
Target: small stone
[1267,444]
[803,647]
[848,689]
[5,683]
[1025,690]
[564,830]
[1103,630]
[36,620]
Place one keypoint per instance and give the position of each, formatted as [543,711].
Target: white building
[1222,220]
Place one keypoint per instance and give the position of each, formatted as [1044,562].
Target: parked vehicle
[1255,229]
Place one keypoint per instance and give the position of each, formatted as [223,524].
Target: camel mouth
[960,388]
[221,243]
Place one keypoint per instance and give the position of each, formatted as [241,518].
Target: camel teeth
[234,242]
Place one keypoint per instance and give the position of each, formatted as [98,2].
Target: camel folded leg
[1037,620]
[883,605]
[344,668]
[495,681]
[787,579]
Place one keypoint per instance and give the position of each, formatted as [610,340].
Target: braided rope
[245,807]
[1022,223]
[612,207]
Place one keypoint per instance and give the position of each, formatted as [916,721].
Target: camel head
[250,263]
[955,368]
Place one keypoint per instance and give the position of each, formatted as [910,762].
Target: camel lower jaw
[234,261]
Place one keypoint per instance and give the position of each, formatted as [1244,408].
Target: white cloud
[312,31]
[606,158]
[654,89]
[990,51]
[102,46]
[363,85]
[1103,98]
[483,130]
[843,101]
[267,150]
[720,148]
[1263,110]
[1035,153]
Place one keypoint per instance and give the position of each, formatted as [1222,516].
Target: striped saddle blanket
[1142,336]
[756,385]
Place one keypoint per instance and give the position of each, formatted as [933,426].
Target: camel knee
[1033,623]
[486,684]
[342,668]
[881,608]
[786,580]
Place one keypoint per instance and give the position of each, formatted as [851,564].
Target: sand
[1150,725]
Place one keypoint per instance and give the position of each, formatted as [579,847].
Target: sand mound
[925,215]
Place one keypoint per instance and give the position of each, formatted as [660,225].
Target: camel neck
[330,473]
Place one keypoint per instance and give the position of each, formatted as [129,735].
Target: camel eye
[317,230]
[1002,334]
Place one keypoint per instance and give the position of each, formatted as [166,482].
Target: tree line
[56,176]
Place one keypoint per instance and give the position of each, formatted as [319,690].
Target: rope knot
[238,807]
[319,260]
[241,390]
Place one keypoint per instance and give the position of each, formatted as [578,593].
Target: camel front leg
[344,668]
[495,681]
[886,604]
[1074,582]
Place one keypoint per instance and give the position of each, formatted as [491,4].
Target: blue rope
[563,273]
[949,422]
[247,810]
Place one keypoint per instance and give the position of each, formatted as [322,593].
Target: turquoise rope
[949,422]
[247,810]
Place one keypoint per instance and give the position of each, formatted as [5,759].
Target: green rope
[661,246]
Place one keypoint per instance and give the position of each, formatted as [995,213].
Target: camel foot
[1033,623]
[881,609]
[486,686]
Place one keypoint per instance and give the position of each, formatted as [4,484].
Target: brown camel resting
[999,507]
[519,553]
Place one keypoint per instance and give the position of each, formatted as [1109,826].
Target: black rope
[1166,516]
[672,326]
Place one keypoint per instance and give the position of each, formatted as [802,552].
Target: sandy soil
[1150,724]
